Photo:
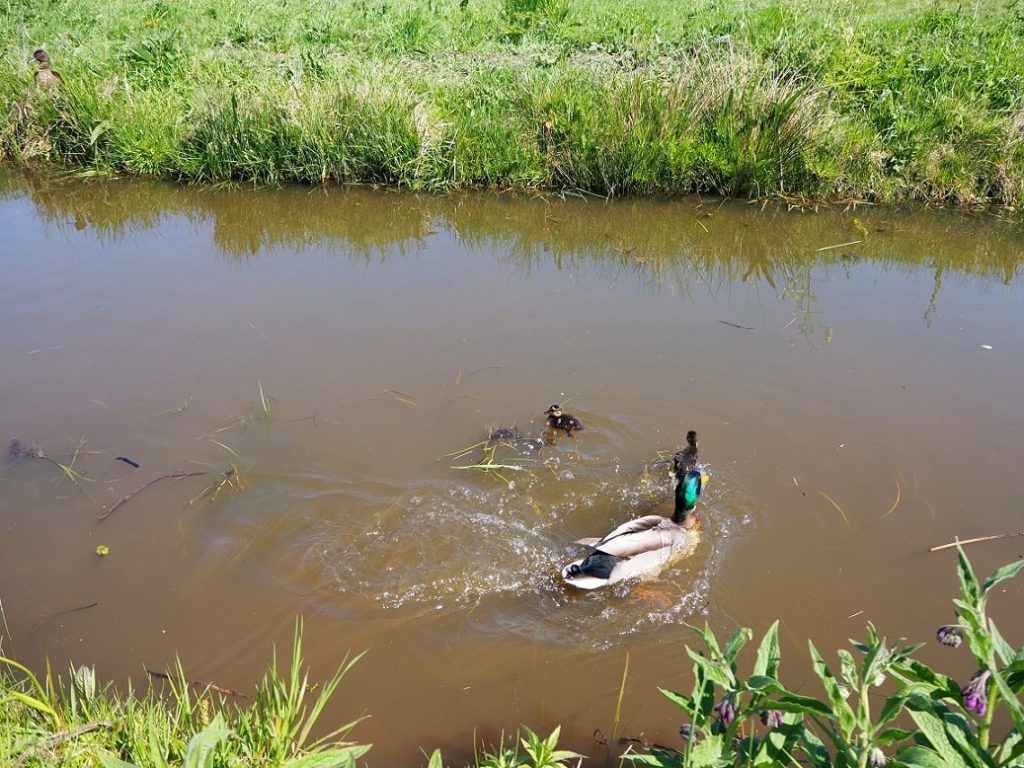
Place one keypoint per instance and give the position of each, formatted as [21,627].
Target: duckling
[45,75]
[559,420]
[504,434]
[642,547]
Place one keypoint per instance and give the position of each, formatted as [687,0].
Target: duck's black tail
[599,565]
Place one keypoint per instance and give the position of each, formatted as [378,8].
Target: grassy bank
[730,719]
[861,99]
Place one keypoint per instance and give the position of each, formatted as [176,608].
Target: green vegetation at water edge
[921,718]
[846,99]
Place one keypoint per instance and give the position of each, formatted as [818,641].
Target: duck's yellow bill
[704,479]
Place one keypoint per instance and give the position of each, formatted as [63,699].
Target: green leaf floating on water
[102,550]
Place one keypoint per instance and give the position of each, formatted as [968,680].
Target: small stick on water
[198,684]
[838,508]
[65,612]
[736,325]
[976,540]
[129,497]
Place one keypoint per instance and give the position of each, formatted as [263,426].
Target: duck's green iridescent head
[688,490]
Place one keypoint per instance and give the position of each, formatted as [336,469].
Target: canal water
[316,363]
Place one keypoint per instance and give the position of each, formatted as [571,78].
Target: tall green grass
[78,723]
[843,99]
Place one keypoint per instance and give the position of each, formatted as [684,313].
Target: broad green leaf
[1010,699]
[109,761]
[968,581]
[791,702]
[932,727]
[707,752]
[922,674]
[892,707]
[339,757]
[436,761]
[961,734]
[714,671]
[85,683]
[204,744]
[684,703]
[848,668]
[920,757]
[1012,748]
[658,758]
[763,684]
[708,636]
[1001,574]
[892,735]
[1003,649]
[841,710]
[768,654]
[815,749]
[874,663]
[739,639]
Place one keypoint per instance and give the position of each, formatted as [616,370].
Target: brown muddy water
[855,378]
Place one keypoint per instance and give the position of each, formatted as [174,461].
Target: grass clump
[847,99]
[79,723]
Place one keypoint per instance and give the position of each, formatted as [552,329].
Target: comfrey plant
[758,722]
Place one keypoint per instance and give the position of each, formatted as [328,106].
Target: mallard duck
[559,420]
[642,547]
[45,75]
[686,459]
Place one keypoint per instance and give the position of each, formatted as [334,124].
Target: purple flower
[876,758]
[975,699]
[771,718]
[950,635]
[727,710]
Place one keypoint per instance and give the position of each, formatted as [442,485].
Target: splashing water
[489,551]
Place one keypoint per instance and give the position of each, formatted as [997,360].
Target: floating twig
[976,540]
[66,611]
[126,460]
[737,325]
[128,498]
[198,684]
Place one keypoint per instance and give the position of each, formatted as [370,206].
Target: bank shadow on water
[708,242]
